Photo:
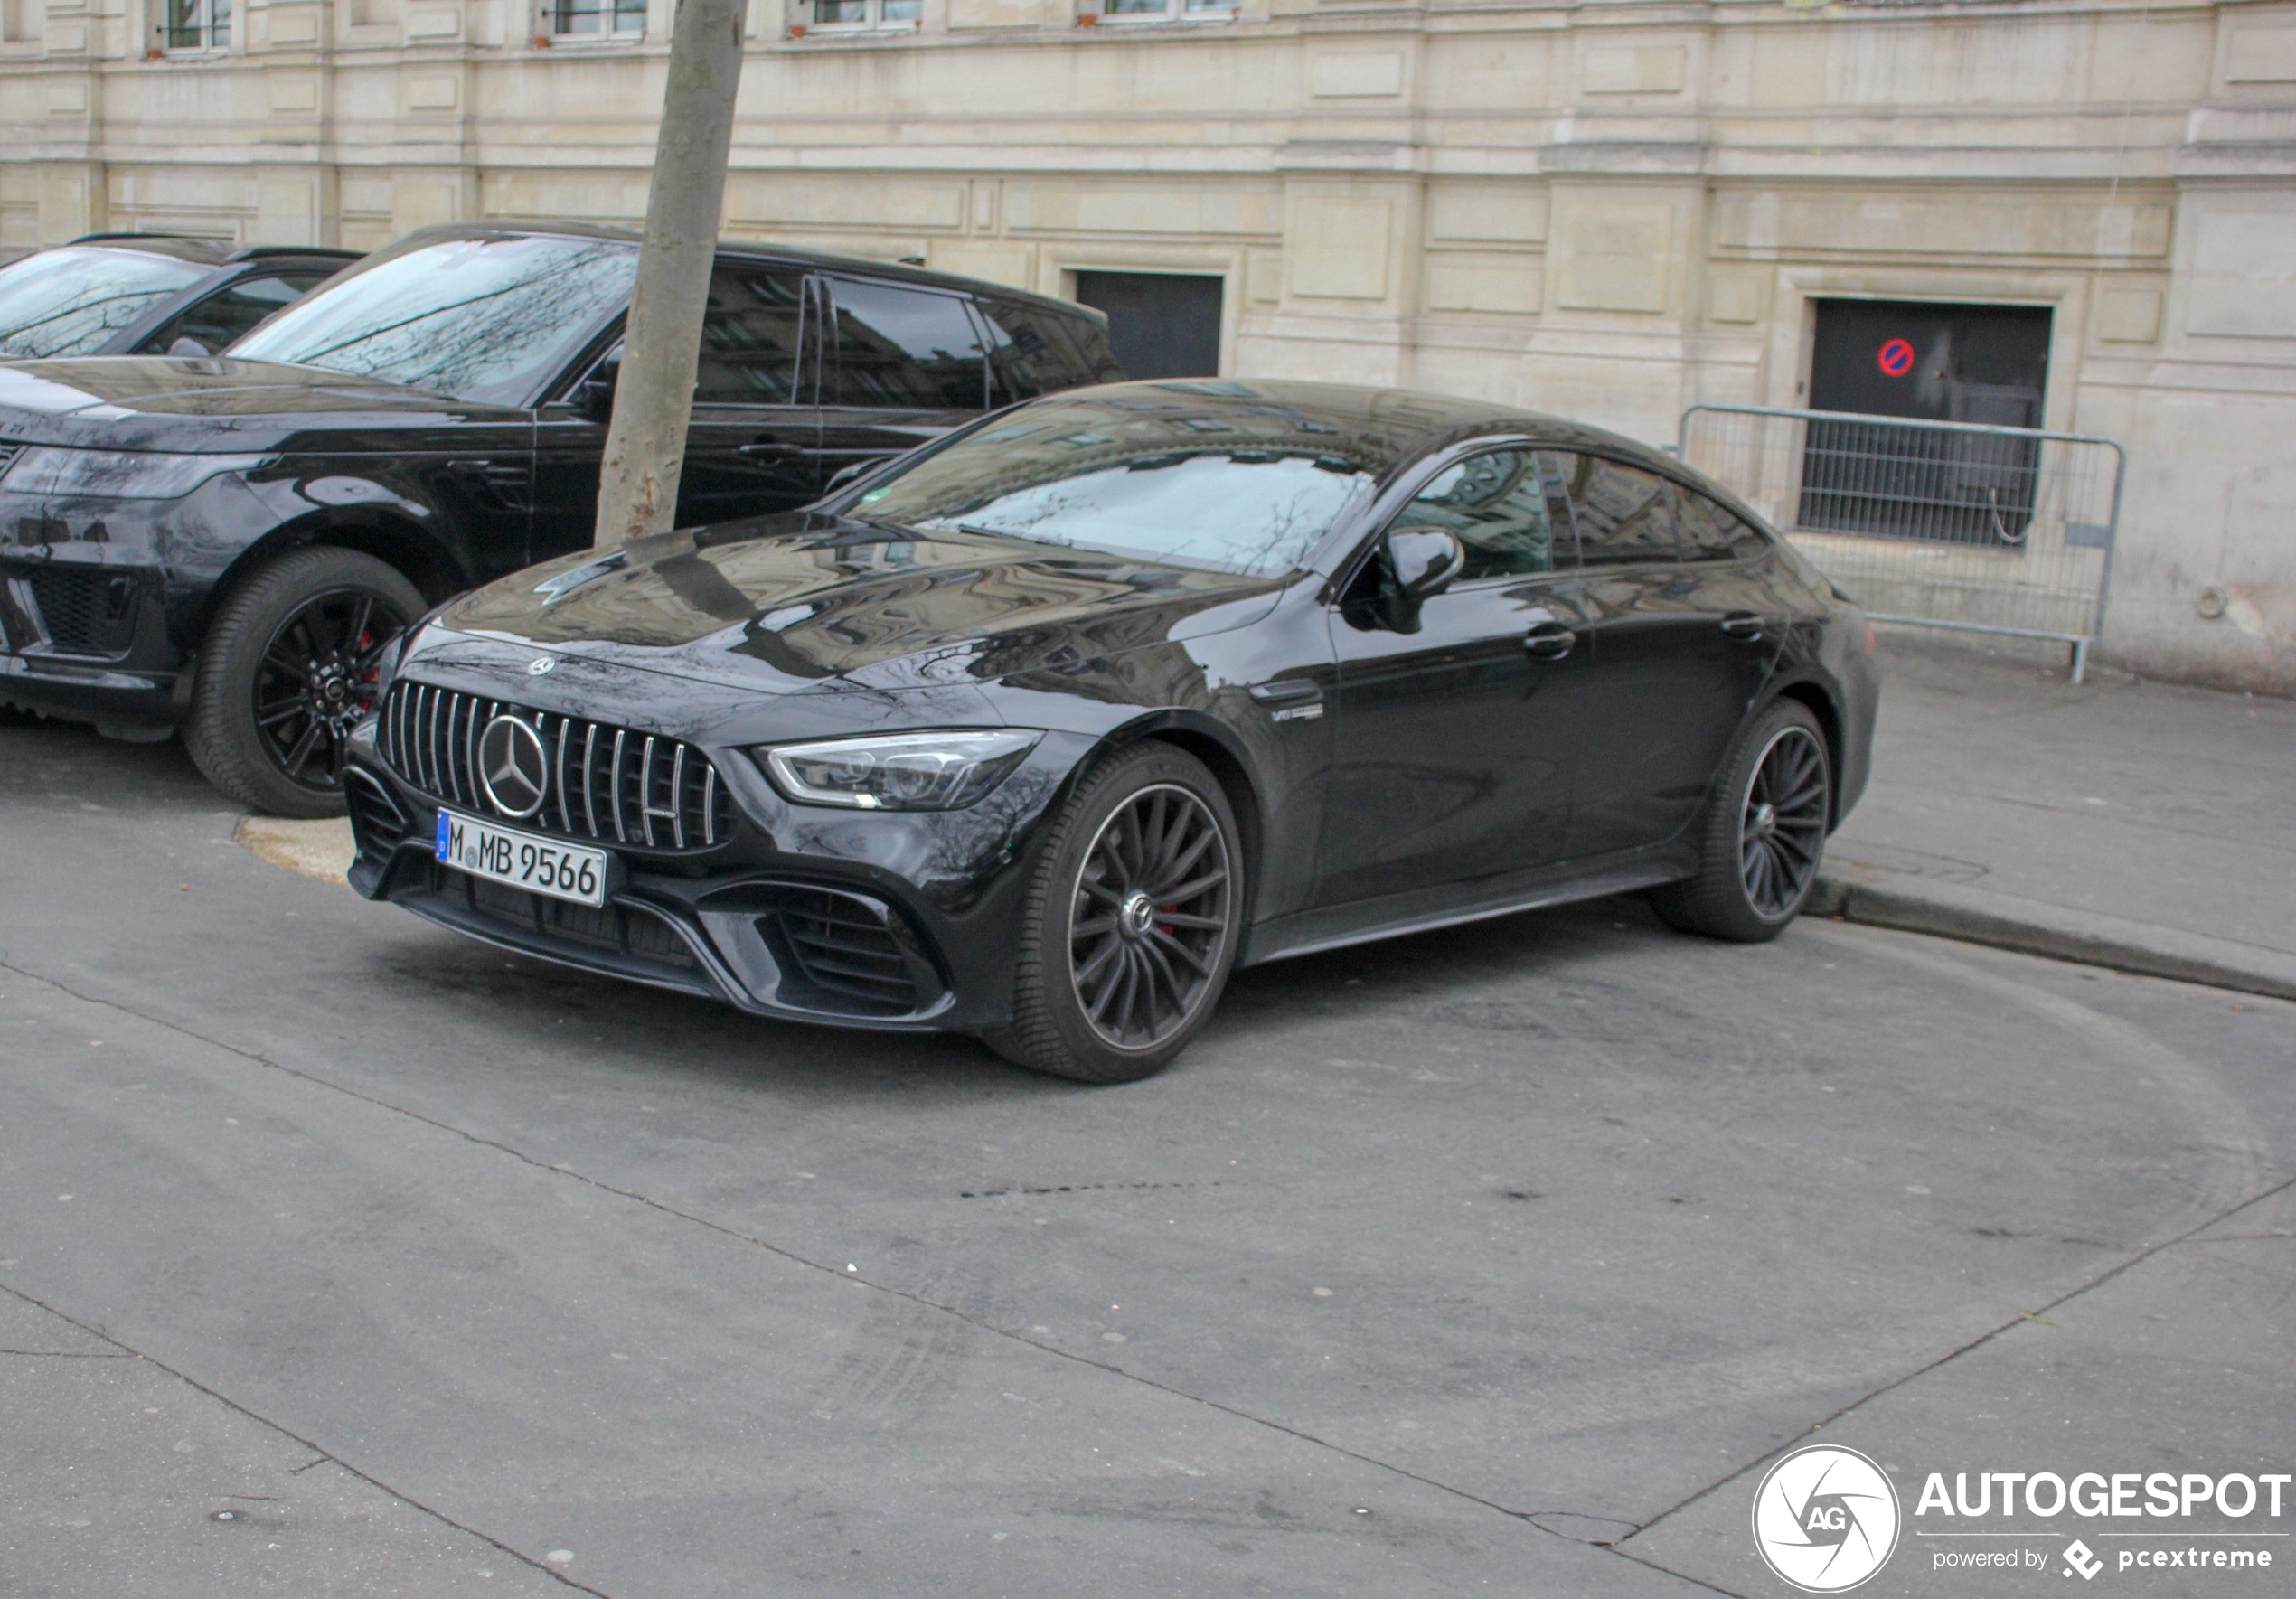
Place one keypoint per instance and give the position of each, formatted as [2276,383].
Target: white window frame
[1169,11]
[207,14]
[873,19]
[548,13]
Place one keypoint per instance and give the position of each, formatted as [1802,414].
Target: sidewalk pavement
[2136,825]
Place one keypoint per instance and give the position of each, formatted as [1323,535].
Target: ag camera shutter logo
[1825,1518]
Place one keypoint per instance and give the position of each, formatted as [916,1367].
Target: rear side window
[905,348]
[223,319]
[752,338]
[1033,352]
[1623,512]
[1711,531]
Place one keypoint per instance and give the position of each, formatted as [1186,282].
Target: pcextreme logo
[1825,1518]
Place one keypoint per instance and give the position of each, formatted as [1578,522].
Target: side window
[1030,352]
[752,338]
[1622,512]
[1497,505]
[222,318]
[1711,531]
[904,347]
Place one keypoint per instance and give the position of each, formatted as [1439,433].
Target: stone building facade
[1611,209]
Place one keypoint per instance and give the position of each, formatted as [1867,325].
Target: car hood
[789,602]
[205,404]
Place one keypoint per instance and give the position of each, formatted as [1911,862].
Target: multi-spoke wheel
[1132,921]
[287,669]
[1764,832]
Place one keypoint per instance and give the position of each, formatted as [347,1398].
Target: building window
[197,24]
[862,15]
[1167,11]
[596,19]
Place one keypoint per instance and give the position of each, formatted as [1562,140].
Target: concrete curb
[1978,916]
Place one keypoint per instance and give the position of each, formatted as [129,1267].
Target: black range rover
[225,546]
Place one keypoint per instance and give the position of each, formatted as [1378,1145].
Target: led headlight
[116,474]
[899,771]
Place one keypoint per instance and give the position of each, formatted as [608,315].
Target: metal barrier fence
[1946,525]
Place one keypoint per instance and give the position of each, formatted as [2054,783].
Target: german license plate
[523,860]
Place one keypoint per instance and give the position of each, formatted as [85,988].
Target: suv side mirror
[593,395]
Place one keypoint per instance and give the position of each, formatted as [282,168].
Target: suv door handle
[769,451]
[1742,625]
[1550,640]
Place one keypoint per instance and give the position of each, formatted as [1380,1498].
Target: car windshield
[1237,489]
[480,319]
[67,301]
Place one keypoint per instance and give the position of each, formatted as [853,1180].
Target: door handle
[769,451]
[1550,641]
[1742,625]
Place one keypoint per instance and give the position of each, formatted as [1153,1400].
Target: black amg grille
[610,784]
[613,928]
[854,955]
[80,606]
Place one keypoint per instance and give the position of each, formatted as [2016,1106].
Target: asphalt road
[342,1255]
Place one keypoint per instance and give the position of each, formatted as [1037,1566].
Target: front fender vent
[611,785]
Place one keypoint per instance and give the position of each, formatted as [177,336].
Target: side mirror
[1424,561]
[594,396]
[191,348]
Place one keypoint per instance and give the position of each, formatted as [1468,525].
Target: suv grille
[605,783]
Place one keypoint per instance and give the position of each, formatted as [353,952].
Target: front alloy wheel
[289,668]
[1134,913]
[1148,919]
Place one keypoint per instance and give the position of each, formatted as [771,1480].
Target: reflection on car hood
[206,403]
[792,600]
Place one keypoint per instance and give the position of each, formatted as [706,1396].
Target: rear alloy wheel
[1131,922]
[289,668]
[1764,835]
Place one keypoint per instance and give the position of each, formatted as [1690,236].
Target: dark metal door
[1942,363]
[1161,324]
[754,443]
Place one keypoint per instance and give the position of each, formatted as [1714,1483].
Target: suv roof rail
[257,252]
[97,238]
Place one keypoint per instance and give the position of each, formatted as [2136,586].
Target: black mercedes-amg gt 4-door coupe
[1039,731]
[225,546]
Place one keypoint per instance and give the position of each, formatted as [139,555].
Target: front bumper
[792,933]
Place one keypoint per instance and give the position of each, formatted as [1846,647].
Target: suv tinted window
[904,347]
[223,319]
[1497,505]
[1622,512]
[1712,532]
[1032,351]
[752,338]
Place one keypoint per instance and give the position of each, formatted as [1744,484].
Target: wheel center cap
[1136,916]
[1766,820]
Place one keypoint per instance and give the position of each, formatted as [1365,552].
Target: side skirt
[1449,905]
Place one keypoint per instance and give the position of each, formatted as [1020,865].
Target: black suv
[151,294]
[225,546]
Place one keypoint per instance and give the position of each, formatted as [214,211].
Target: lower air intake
[847,954]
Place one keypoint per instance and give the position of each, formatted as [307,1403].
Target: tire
[1764,834]
[264,726]
[1114,978]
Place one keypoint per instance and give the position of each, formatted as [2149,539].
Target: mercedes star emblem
[539,665]
[513,766]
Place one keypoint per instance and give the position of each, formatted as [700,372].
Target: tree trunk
[637,490]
